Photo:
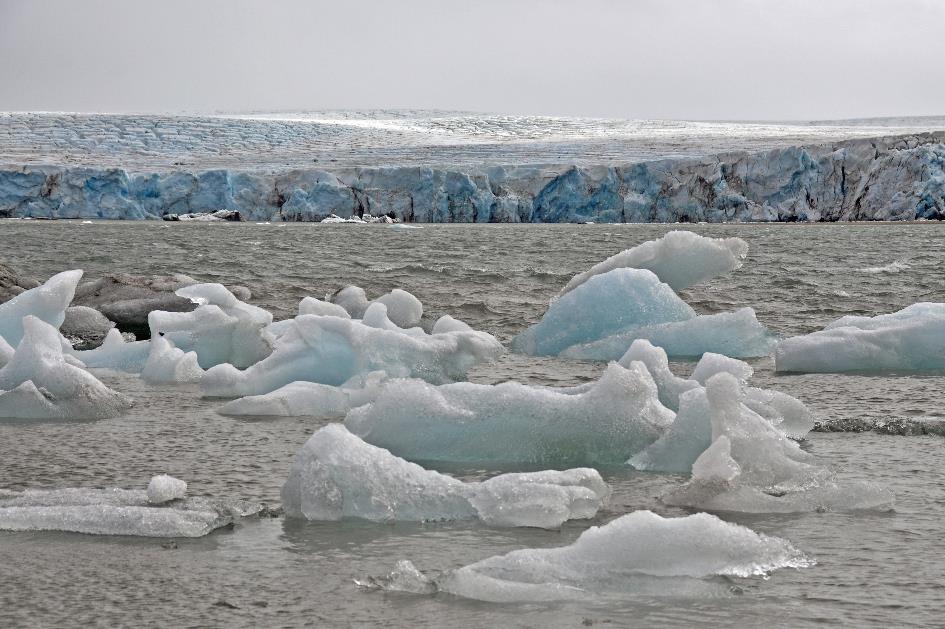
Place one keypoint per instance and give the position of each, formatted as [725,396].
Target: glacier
[638,553]
[337,475]
[891,178]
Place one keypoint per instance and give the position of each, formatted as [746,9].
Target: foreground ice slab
[605,423]
[337,475]
[639,553]
[751,466]
[680,259]
[601,317]
[912,339]
[332,350]
[38,382]
[47,302]
[222,329]
[117,512]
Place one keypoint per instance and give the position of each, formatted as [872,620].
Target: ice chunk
[657,363]
[312,306]
[310,398]
[685,440]
[222,329]
[600,307]
[680,259]
[116,354]
[116,512]
[6,352]
[447,323]
[640,552]
[331,350]
[737,333]
[167,364]
[337,475]
[711,364]
[753,467]
[47,302]
[912,339]
[403,309]
[353,299]
[39,383]
[510,422]
[164,488]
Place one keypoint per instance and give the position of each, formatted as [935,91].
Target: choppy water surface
[873,569]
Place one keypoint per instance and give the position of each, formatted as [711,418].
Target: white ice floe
[310,398]
[680,259]
[116,354]
[403,309]
[602,316]
[638,553]
[312,306]
[337,475]
[604,423]
[164,488]
[40,382]
[332,350]
[47,302]
[353,299]
[912,339]
[751,466]
[117,512]
[167,364]
[222,329]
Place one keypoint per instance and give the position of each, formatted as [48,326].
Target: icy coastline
[893,178]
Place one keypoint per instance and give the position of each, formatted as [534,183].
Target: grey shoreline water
[874,569]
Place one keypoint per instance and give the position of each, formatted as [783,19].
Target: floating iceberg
[738,334]
[353,299]
[167,364]
[640,552]
[604,423]
[602,316]
[332,350]
[164,488]
[312,306]
[403,309]
[47,302]
[118,512]
[40,382]
[116,354]
[912,339]
[680,259]
[309,398]
[751,466]
[222,329]
[337,475]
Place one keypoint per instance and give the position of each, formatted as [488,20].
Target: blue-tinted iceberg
[753,467]
[337,475]
[116,353]
[40,382]
[167,364]
[912,339]
[310,398]
[332,350]
[47,303]
[604,423]
[680,259]
[639,553]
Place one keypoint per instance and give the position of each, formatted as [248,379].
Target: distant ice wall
[898,178]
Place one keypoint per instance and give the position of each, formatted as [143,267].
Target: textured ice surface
[312,306]
[116,512]
[638,553]
[337,475]
[606,423]
[353,299]
[737,334]
[332,350]
[680,259]
[751,466]
[167,364]
[604,305]
[602,316]
[38,382]
[912,339]
[47,302]
[222,329]
[164,488]
[310,398]
[403,309]
[117,354]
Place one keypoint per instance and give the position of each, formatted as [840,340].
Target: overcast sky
[692,59]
